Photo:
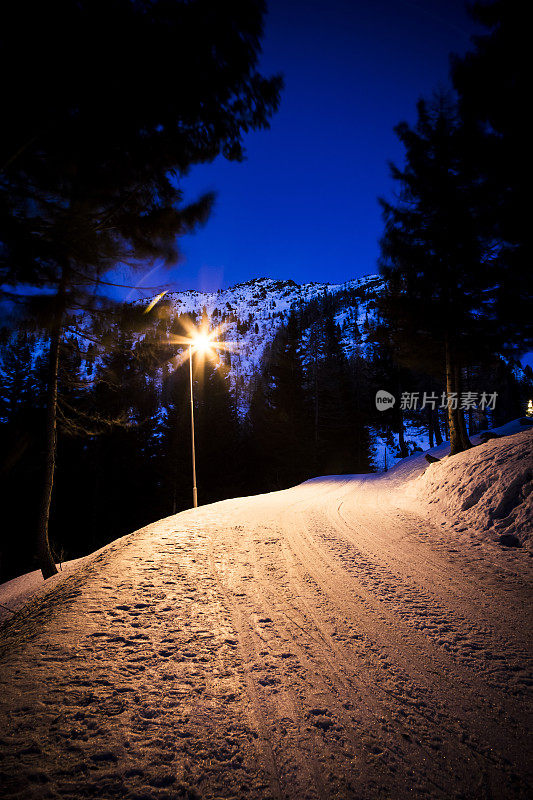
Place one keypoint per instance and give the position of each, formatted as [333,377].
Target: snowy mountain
[252,313]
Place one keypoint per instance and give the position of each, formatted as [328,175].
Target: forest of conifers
[124,434]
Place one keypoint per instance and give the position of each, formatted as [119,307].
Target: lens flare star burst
[203,341]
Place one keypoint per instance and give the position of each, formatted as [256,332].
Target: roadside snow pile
[14,594]
[486,490]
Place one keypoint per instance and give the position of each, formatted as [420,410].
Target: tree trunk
[404,452]
[470,415]
[436,428]
[44,555]
[435,437]
[465,441]
[456,445]
[316,400]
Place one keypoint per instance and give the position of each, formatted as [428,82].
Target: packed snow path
[314,643]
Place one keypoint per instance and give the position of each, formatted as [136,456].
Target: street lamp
[205,343]
[200,344]
[199,340]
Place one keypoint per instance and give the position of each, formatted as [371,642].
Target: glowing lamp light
[205,343]
[529,409]
[201,342]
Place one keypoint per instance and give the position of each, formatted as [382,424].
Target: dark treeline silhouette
[109,107]
[454,250]
[304,418]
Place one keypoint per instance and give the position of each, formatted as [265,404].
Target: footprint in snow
[268,681]
[104,755]
[113,706]
[162,780]
[321,718]
[78,698]
[150,713]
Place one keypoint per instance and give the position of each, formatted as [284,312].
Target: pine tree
[78,196]
[218,438]
[280,414]
[436,254]
[21,417]
[333,401]
[492,84]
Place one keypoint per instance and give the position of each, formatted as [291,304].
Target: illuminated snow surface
[353,637]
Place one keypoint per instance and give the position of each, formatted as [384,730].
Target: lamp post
[203,341]
[194,489]
[199,341]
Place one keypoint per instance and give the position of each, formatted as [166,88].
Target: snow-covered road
[320,642]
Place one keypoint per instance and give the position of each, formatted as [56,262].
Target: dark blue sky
[304,203]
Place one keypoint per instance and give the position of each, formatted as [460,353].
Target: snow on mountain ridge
[255,310]
[266,290]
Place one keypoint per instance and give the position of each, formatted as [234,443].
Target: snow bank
[14,594]
[487,490]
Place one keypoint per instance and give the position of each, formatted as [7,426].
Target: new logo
[384,400]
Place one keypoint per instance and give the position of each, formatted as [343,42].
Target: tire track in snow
[438,612]
[305,546]
[323,666]
[451,730]
[416,721]
[273,670]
